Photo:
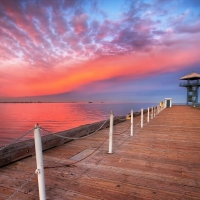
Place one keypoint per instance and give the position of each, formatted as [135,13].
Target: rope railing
[74,138]
[137,123]
[115,115]
[25,183]
[118,117]
[121,120]
[124,130]
[68,165]
[2,148]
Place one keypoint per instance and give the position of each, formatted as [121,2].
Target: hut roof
[191,76]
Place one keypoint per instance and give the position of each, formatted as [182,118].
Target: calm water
[16,119]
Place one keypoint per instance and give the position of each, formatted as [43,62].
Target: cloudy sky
[97,50]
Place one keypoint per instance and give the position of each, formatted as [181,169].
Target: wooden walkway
[161,161]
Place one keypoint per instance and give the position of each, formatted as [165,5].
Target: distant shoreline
[37,102]
[82,102]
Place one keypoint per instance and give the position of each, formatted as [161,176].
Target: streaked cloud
[50,47]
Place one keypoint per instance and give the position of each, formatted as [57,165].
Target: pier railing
[15,151]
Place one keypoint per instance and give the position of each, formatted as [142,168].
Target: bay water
[18,118]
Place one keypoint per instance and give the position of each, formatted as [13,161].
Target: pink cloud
[189,28]
[58,80]
[79,23]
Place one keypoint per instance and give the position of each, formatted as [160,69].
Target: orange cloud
[39,81]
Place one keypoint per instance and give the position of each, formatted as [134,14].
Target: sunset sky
[97,50]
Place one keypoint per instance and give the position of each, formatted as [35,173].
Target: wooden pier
[161,161]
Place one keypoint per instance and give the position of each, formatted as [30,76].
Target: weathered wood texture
[161,161]
[26,148]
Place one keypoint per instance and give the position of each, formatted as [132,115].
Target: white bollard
[148,115]
[111,133]
[152,113]
[142,118]
[131,122]
[40,166]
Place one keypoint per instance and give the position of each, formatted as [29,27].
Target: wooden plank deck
[161,161]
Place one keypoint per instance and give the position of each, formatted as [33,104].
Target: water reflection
[16,119]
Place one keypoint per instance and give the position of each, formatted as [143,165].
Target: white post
[142,118]
[148,116]
[40,166]
[131,122]
[111,133]
[152,113]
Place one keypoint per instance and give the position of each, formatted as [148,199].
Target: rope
[68,165]
[138,123]
[118,117]
[115,115]
[2,148]
[74,138]
[121,119]
[123,131]
[26,182]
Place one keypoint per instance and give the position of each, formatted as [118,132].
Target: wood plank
[161,161]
